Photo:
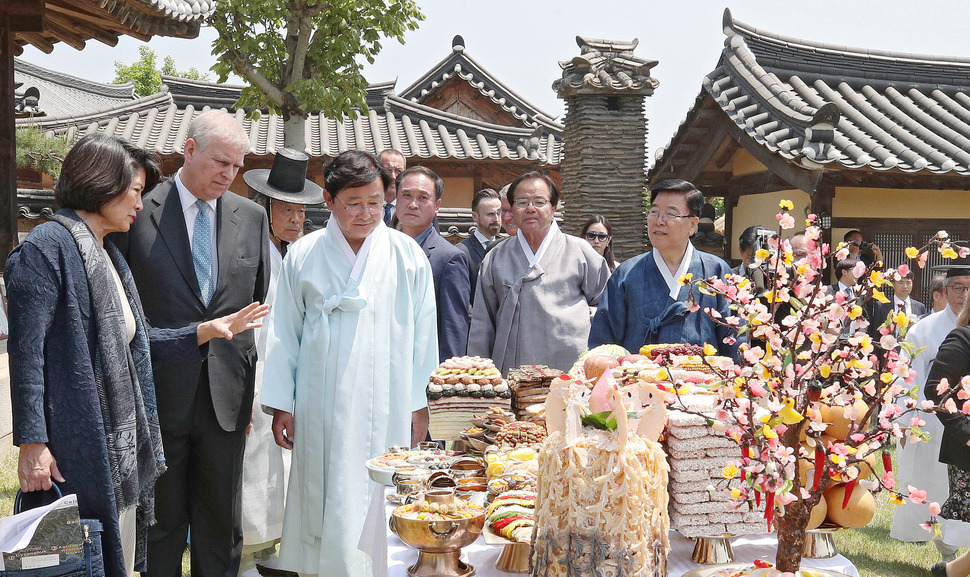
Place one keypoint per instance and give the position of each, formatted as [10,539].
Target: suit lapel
[169,220]
[226,233]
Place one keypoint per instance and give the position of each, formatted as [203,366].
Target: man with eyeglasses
[419,193]
[350,346]
[537,290]
[644,303]
[920,461]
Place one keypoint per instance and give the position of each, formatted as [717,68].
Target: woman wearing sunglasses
[599,232]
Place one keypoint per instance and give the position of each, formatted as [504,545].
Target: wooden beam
[727,154]
[83,29]
[37,41]
[699,159]
[65,35]
[22,15]
[8,145]
[798,177]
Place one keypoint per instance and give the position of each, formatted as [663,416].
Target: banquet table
[391,557]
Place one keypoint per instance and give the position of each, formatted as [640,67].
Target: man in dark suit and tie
[198,253]
[901,302]
[419,193]
[846,286]
[487,214]
[394,163]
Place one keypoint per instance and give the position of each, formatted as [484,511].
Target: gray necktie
[202,250]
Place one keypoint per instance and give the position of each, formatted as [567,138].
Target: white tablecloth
[377,541]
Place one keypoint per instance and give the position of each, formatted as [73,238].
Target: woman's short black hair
[694,197]
[535,175]
[100,168]
[353,169]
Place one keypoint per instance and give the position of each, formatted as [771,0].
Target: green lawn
[870,548]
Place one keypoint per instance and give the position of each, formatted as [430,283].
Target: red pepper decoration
[757,498]
[770,508]
[819,467]
[745,453]
[887,462]
[848,493]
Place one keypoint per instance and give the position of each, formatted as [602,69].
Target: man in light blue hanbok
[351,344]
[644,304]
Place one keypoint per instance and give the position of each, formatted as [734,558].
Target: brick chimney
[605,141]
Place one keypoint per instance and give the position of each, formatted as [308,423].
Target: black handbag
[92,564]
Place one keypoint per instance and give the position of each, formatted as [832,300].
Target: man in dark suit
[419,193]
[394,163]
[846,285]
[197,253]
[487,214]
[901,302]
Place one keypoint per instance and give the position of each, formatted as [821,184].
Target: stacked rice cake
[697,455]
[530,386]
[460,388]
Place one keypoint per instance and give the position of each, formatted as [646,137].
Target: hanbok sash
[673,312]
[507,315]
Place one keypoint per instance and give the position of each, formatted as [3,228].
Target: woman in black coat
[81,383]
[953,364]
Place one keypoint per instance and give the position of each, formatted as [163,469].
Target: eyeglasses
[597,236]
[358,207]
[523,203]
[666,216]
[958,288]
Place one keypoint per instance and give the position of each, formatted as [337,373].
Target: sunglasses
[597,236]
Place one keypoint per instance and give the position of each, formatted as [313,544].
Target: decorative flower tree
[798,362]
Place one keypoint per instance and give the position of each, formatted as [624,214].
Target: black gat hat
[287,180]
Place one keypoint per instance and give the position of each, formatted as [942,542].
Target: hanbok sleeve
[481,332]
[283,340]
[609,323]
[425,344]
[597,274]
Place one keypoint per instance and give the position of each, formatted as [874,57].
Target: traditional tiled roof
[460,64]
[105,20]
[200,93]
[60,94]
[158,123]
[817,104]
[606,65]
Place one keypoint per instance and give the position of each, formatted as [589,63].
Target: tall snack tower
[602,503]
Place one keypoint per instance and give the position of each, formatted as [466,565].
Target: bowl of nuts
[438,526]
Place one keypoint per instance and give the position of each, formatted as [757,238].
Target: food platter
[730,569]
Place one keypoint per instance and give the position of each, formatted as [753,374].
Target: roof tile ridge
[126,89]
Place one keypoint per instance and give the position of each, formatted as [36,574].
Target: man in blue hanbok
[351,344]
[643,303]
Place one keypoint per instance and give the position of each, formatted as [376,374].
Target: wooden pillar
[15,16]
[8,144]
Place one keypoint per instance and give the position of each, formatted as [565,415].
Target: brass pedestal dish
[439,543]
[713,550]
[820,543]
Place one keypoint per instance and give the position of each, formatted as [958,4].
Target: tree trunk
[791,536]
[294,133]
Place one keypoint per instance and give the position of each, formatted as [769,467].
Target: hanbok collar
[671,279]
[950,314]
[535,257]
[359,259]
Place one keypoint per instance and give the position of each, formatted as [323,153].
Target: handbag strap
[18,501]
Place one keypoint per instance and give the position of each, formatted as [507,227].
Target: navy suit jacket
[475,253]
[449,266]
[882,310]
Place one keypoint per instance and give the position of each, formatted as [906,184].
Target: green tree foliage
[146,74]
[303,56]
[39,151]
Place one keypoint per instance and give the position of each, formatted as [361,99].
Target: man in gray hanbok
[538,290]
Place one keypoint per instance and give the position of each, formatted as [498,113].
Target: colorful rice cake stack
[460,388]
[513,515]
[697,455]
[530,387]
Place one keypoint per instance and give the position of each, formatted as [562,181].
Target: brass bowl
[438,536]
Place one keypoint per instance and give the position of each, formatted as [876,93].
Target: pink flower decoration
[889,480]
[786,222]
[903,269]
[934,508]
[916,495]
